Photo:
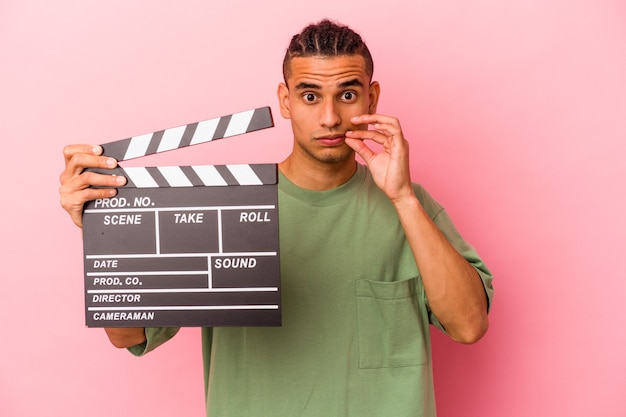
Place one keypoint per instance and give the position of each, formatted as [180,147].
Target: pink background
[516,112]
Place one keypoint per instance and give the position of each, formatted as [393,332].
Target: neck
[317,175]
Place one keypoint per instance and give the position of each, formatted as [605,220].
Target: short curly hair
[328,39]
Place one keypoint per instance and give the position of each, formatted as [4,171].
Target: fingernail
[96,150]
[120,180]
[111,162]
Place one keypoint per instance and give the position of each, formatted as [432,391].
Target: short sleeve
[155,337]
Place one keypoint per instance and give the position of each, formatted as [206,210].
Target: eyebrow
[351,83]
[311,86]
[308,86]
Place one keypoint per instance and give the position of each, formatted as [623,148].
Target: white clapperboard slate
[185,245]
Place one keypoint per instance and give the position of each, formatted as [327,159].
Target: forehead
[327,70]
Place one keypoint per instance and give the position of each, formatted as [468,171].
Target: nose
[330,116]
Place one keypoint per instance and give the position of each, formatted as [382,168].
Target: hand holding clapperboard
[185,245]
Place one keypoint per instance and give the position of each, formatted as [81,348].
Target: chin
[337,157]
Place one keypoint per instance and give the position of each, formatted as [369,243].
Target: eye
[309,97]
[348,96]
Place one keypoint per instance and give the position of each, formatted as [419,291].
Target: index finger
[70,150]
[79,157]
[375,119]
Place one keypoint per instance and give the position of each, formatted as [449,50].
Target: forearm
[126,337]
[454,289]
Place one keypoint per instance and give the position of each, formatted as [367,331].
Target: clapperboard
[185,245]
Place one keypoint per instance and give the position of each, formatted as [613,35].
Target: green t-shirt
[354,339]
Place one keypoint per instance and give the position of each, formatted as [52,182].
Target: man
[368,259]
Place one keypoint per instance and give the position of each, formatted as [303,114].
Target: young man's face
[320,97]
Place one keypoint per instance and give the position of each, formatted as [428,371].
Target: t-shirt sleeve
[439,216]
[155,337]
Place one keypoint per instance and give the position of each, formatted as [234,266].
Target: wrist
[407,201]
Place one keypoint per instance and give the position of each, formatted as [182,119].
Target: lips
[331,140]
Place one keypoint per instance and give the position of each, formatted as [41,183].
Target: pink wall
[516,112]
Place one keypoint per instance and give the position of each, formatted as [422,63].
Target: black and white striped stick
[191,134]
[195,176]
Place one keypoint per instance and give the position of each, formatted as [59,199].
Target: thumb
[361,148]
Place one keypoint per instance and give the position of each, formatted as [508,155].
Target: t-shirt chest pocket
[391,328]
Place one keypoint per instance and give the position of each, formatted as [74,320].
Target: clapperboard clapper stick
[185,245]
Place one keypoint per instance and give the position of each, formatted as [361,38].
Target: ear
[373,96]
[283,100]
